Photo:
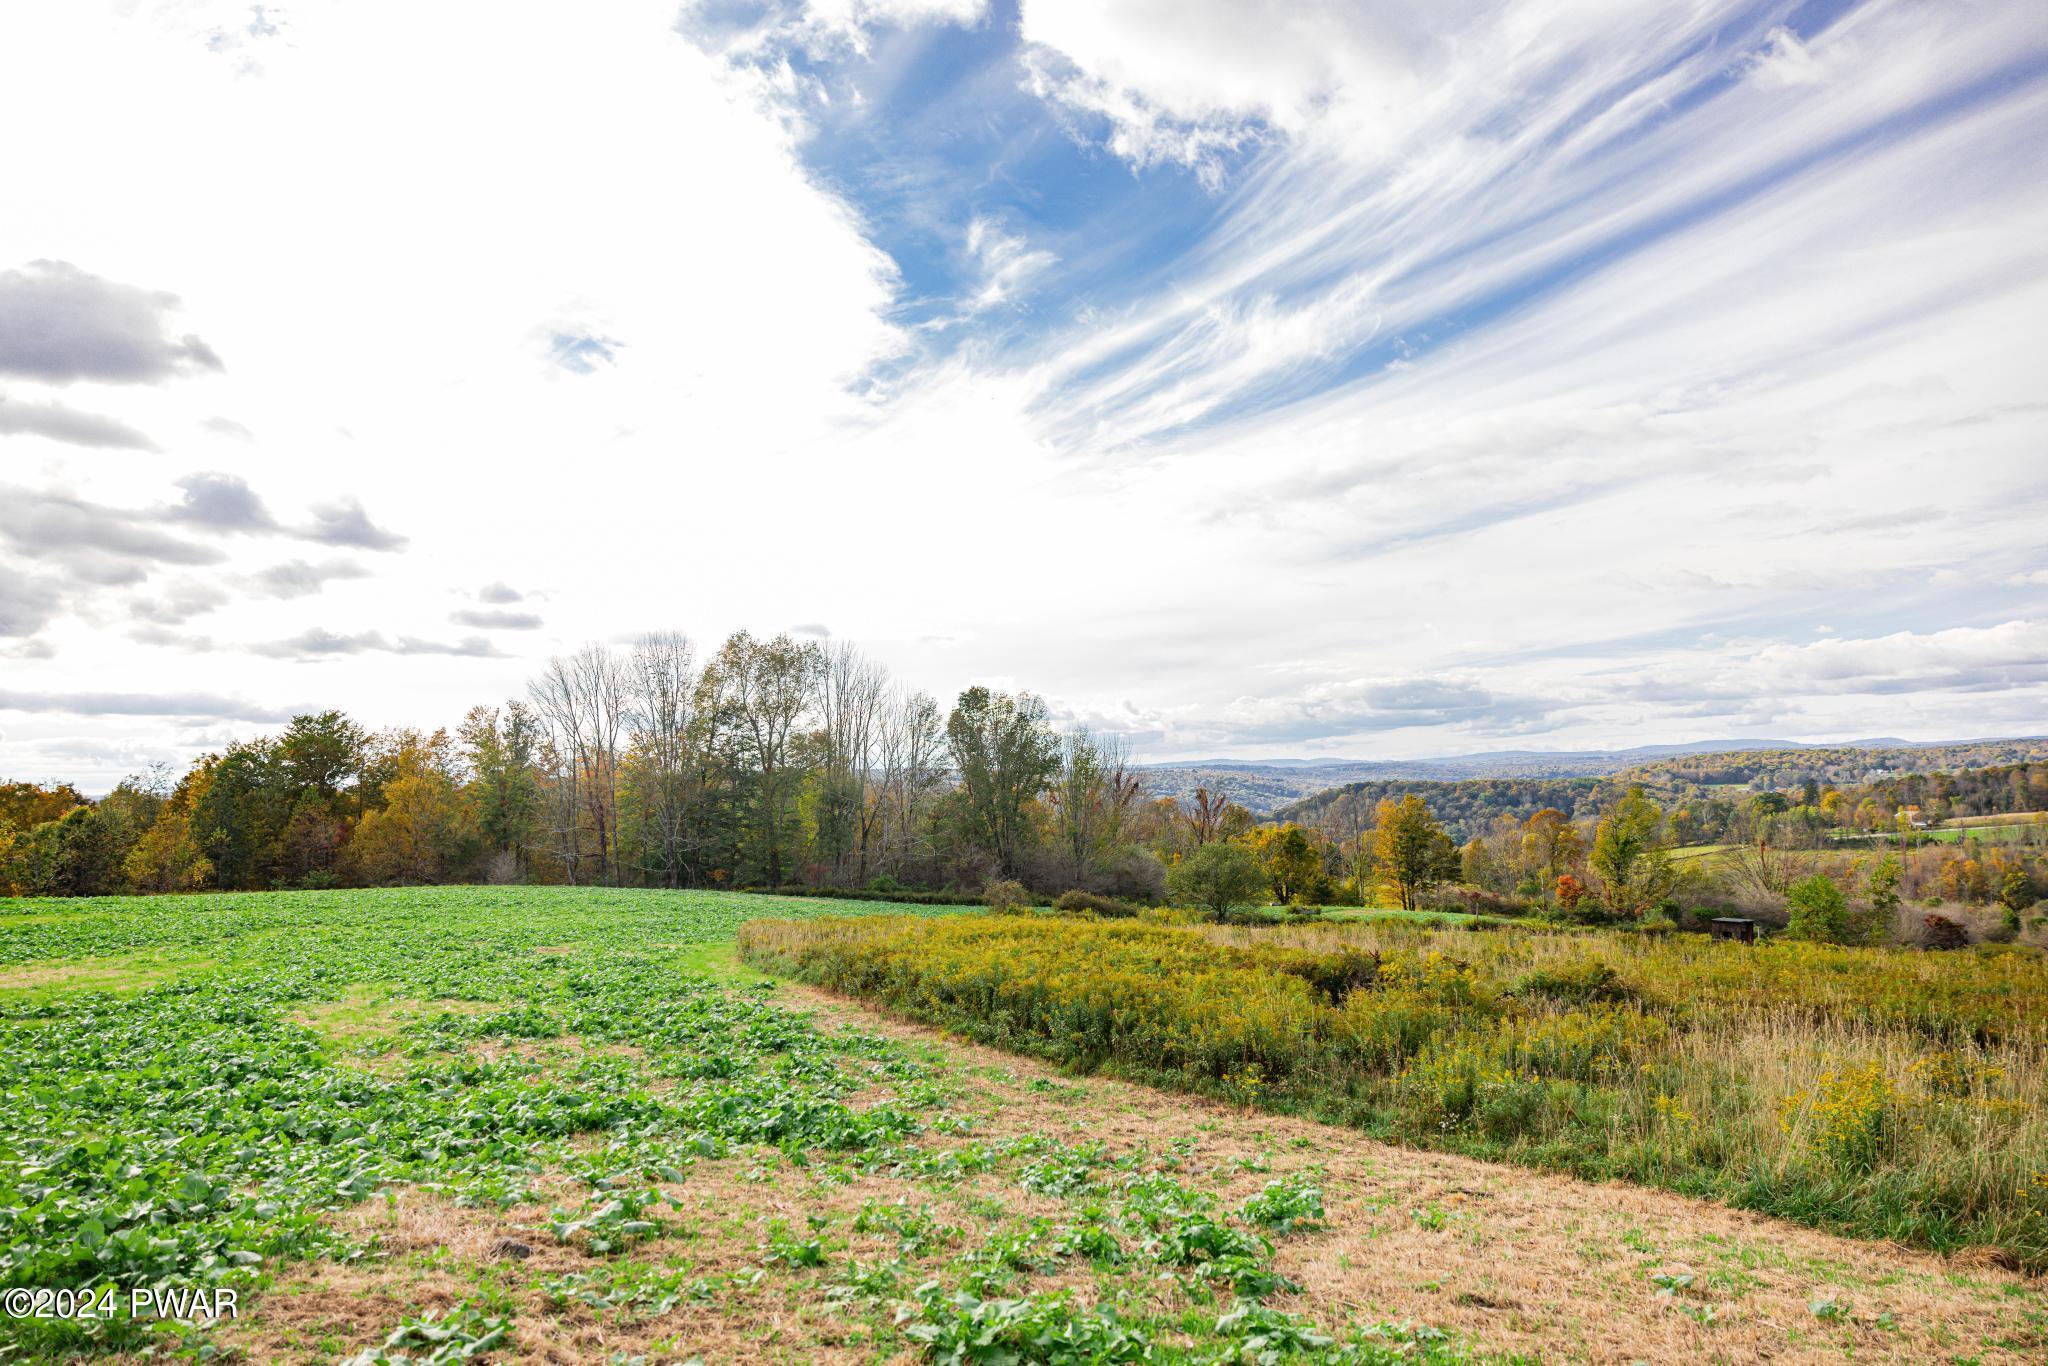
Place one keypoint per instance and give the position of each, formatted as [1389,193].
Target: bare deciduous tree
[852,689]
[661,677]
[581,700]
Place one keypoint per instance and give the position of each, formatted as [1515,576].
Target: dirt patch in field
[124,972]
[363,1026]
[431,1254]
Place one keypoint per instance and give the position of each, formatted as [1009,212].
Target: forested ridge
[1979,778]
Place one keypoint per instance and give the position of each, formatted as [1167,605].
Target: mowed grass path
[563,1125]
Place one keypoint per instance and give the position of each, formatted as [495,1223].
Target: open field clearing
[565,1125]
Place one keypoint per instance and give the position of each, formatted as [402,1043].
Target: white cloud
[1007,261]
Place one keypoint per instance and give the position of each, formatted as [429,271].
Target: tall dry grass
[1887,1093]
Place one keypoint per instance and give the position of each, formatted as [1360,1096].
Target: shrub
[1940,932]
[1078,900]
[1818,909]
[1846,1118]
[1334,975]
[1006,895]
[1135,874]
[1589,979]
[1220,878]
[1459,1084]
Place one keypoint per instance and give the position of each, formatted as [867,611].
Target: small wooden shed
[1732,927]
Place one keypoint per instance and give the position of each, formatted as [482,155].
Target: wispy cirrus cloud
[319,643]
[74,426]
[496,620]
[194,705]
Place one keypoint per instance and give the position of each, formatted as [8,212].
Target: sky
[1340,379]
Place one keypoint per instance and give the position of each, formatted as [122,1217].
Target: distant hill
[1282,786]
[1467,806]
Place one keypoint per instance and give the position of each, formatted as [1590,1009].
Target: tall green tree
[1292,863]
[238,817]
[1630,855]
[1411,852]
[319,753]
[1005,753]
[501,750]
[764,691]
[1219,877]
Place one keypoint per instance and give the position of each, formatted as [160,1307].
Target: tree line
[792,764]
[769,762]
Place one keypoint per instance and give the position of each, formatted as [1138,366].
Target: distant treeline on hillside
[1465,809]
[1782,770]
[1674,770]
[1705,793]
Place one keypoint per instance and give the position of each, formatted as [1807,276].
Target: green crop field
[417,1125]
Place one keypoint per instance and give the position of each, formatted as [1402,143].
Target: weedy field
[1877,1092]
[565,1125]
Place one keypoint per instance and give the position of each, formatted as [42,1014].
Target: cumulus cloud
[169,638]
[61,422]
[98,546]
[346,523]
[315,641]
[59,323]
[28,603]
[499,593]
[179,604]
[298,578]
[222,502]
[65,529]
[2011,655]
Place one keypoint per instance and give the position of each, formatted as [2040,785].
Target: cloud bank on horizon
[1259,379]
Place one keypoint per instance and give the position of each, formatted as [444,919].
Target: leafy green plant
[608,1222]
[1285,1205]
[435,1339]
[784,1248]
[1050,1328]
